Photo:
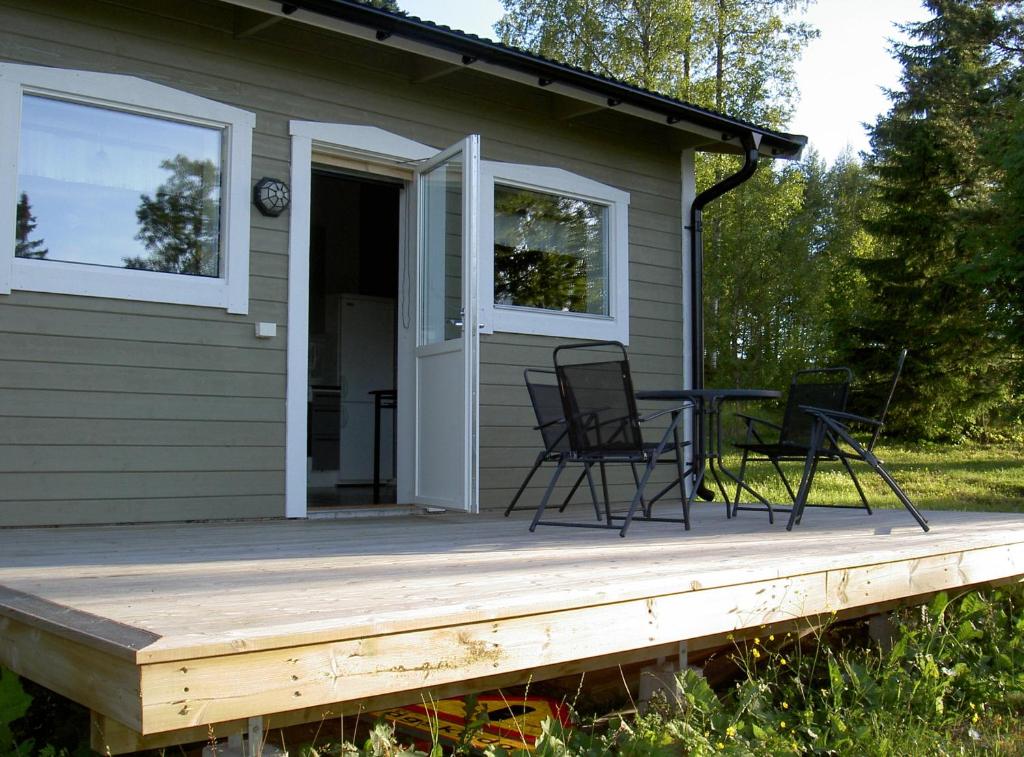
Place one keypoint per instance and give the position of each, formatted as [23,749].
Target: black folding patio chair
[871,399]
[599,408]
[826,388]
[547,409]
[834,430]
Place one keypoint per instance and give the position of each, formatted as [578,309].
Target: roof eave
[386,24]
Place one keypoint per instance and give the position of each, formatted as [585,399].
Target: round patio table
[707,405]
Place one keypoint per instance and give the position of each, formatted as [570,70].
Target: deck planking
[211,622]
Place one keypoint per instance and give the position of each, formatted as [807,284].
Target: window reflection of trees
[549,252]
[108,187]
[180,224]
[24,225]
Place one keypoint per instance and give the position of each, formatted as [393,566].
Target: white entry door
[448,206]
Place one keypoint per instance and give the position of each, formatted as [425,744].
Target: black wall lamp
[271,196]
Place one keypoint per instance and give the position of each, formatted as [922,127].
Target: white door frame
[373,145]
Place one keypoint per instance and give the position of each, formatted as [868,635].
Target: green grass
[936,477]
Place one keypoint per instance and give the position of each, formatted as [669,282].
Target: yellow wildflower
[757,640]
[730,731]
[720,746]
[771,637]
[785,705]
[974,718]
[757,653]
[782,660]
[782,724]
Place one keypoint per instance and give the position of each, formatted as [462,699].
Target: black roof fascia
[476,48]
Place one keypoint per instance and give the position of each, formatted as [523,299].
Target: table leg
[684,498]
[376,449]
[738,480]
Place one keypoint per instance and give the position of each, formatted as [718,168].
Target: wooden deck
[168,628]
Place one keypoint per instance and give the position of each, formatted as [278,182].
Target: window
[550,252]
[554,254]
[124,189]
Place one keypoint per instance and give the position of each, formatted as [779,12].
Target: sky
[841,74]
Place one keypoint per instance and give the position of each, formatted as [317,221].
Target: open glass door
[446,328]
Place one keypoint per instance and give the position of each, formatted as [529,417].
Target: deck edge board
[110,636]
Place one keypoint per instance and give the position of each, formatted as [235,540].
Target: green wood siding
[115,411]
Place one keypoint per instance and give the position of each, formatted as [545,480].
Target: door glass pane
[441,230]
[104,187]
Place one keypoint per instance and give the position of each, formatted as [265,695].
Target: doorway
[354,243]
[437,228]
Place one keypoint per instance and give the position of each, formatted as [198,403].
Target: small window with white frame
[555,258]
[123,188]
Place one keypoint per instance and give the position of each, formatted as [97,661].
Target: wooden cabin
[236,225]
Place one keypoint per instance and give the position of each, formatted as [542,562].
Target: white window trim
[229,291]
[520,320]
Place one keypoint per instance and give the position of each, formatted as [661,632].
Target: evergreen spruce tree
[934,185]
[24,225]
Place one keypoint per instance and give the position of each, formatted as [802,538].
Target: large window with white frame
[555,254]
[122,188]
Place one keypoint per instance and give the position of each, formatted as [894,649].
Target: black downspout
[750,154]
[697,250]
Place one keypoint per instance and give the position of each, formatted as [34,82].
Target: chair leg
[593,491]
[636,482]
[856,483]
[876,465]
[785,481]
[537,463]
[547,495]
[810,466]
[637,498]
[604,489]
[741,475]
[679,474]
[572,491]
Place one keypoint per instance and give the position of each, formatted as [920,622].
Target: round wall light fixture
[271,196]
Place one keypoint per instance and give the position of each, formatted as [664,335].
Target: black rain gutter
[473,49]
[750,154]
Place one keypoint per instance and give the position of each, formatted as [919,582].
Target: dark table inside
[708,442]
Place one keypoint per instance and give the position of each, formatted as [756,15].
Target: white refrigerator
[366,346]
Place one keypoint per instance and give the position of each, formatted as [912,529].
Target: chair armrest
[659,413]
[560,421]
[841,416]
[752,419]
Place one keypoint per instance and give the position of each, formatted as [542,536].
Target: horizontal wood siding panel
[89,376]
[62,351]
[129,379]
[29,487]
[29,403]
[129,458]
[78,510]
[90,431]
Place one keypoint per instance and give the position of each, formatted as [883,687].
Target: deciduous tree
[180,224]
